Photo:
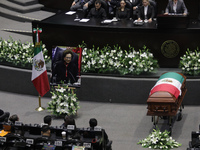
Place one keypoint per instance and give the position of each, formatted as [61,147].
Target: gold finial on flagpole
[40,108]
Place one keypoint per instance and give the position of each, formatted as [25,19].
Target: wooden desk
[61,29]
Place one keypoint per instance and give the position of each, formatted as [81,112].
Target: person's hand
[150,20]
[165,13]
[184,14]
[73,3]
[139,19]
[134,8]
[86,5]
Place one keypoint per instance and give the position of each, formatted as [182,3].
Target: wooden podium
[172,21]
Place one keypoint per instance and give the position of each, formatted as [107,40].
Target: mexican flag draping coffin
[166,96]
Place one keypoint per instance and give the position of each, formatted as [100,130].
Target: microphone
[72,76]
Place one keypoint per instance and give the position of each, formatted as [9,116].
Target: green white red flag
[169,82]
[39,72]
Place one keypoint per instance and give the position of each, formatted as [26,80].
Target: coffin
[167,95]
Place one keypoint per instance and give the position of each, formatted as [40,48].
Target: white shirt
[145,10]
[174,7]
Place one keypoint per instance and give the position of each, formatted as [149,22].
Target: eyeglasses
[68,57]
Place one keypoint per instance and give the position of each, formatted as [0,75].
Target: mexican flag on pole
[39,72]
[169,82]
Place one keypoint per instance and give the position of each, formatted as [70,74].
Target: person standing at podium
[146,11]
[176,7]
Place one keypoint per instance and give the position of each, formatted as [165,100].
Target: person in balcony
[176,7]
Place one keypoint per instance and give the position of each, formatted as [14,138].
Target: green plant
[118,61]
[63,102]
[159,140]
[190,62]
[19,54]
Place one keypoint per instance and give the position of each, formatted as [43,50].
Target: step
[14,15]
[24,2]
[28,17]
[18,8]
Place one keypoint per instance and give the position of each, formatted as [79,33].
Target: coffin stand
[164,105]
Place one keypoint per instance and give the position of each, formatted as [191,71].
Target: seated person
[135,5]
[123,12]
[112,4]
[93,123]
[45,131]
[4,116]
[146,11]
[97,12]
[176,6]
[84,4]
[68,121]
[44,142]
[57,54]
[66,70]
[13,118]
[47,120]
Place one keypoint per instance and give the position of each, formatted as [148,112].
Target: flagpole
[39,73]
[40,108]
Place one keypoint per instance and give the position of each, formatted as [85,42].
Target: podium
[178,21]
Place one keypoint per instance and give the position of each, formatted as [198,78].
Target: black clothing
[97,14]
[136,3]
[60,72]
[150,12]
[123,14]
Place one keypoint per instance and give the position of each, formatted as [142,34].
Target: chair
[4,116]
[78,51]
[103,5]
[130,7]
[154,4]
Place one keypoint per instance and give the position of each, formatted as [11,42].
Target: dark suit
[136,3]
[181,8]
[56,55]
[80,3]
[97,14]
[150,12]
[123,14]
[60,72]
[59,54]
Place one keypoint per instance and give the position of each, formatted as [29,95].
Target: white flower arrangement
[159,140]
[19,54]
[63,102]
[190,62]
[118,61]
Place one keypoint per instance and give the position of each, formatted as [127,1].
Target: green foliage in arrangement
[190,62]
[159,140]
[118,61]
[64,101]
[19,54]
